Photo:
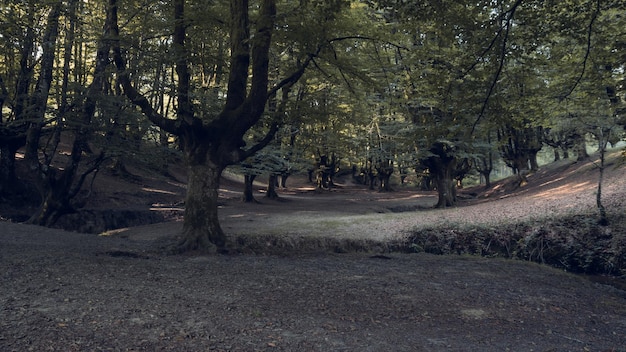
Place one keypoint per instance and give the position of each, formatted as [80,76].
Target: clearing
[315,273]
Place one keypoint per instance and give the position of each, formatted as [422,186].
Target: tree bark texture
[446,187]
[271,187]
[283,179]
[201,227]
[603,219]
[581,149]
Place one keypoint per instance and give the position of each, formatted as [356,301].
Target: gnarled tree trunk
[58,191]
[201,226]
[441,165]
[446,187]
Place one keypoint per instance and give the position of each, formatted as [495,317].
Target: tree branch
[239,54]
[496,77]
[171,126]
[594,16]
[262,143]
[280,111]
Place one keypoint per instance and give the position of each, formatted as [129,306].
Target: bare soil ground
[304,285]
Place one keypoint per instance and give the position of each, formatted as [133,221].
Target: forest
[301,175]
[433,92]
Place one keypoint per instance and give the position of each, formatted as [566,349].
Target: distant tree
[519,148]
[561,137]
[484,159]
[442,161]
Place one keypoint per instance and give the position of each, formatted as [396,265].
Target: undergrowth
[575,243]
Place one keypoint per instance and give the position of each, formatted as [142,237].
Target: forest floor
[315,271]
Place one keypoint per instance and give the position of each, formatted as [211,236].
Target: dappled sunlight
[228,191]
[552,181]
[567,190]
[305,189]
[158,207]
[162,191]
[414,196]
[246,215]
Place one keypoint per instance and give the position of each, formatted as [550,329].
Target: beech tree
[210,145]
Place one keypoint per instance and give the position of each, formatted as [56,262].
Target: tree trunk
[446,188]
[384,169]
[534,165]
[487,177]
[39,97]
[201,226]
[271,187]
[603,219]
[557,156]
[442,166]
[372,179]
[8,178]
[58,191]
[581,149]
[8,148]
[211,146]
[484,165]
[384,178]
[283,179]
[248,190]
[55,202]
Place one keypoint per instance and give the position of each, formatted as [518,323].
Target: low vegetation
[556,225]
[576,243]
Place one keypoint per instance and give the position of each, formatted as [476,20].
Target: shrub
[573,243]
